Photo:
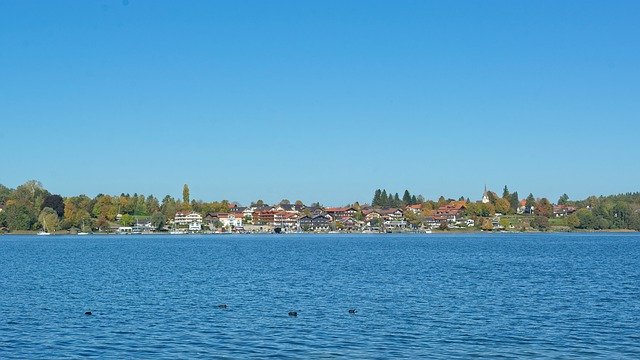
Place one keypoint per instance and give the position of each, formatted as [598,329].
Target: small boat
[44,229]
[82,233]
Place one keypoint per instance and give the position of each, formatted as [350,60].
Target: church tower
[485,195]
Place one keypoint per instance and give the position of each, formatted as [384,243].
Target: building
[192,220]
[416,208]
[563,210]
[315,222]
[394,218]
[341,212]
[485,196]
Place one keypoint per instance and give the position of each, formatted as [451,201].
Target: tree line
[30,207]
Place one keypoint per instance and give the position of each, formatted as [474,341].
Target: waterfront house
[340,212]
[191,220]
[394,218]
[315,222]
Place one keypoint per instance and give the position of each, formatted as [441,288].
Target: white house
[192,219]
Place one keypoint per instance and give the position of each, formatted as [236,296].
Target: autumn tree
[502,206]
[544,208]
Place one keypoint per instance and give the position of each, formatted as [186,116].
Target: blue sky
[320,101]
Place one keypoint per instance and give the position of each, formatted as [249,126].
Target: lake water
[417,296]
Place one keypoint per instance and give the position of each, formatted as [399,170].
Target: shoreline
[434,232]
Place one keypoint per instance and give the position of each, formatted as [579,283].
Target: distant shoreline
[438,232]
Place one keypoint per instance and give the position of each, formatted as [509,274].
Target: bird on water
[222,306]
[87,313]
[293,313]
[353,311]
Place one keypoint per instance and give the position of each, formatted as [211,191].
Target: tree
[573,221]
[487,225]
[505,193]
[396,201]
[19,217]
[285,202]
[5,194]
[531,201]
[414,200]
[152,205]
[54,202]
[169,207]
[540,222]
[514,201]
[105,207]
[158,220]
[186,204]
[384,199]
[563,199]
[299,203]
[127,220]
[585,218]
[49,219]
[544,208]
[406,198]
[493,197]
[502,206]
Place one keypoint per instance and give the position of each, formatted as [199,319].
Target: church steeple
[485,195]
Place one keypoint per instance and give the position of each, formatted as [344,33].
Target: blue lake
[417,296]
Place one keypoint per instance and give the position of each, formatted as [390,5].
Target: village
[299,218]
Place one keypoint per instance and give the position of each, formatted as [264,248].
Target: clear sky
[320,101]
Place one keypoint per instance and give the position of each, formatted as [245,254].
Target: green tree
[152,205]
[573,221]
[158,220]
[406,198]
[505,193]
[531,201]
[377,196]
[49,219]
[186,204]
[127,220]
[540,222]
[19,217]
[586,219]
[514,201]
[384,199]
[563,200]
[169,207]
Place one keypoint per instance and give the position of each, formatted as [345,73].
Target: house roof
[339,209]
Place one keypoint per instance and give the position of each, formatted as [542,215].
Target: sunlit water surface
[436,296]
